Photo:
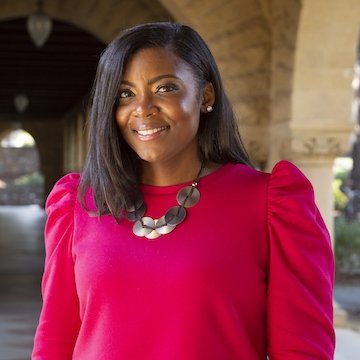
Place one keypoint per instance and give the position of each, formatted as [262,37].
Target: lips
[150,133]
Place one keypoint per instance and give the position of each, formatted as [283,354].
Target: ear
[208,97]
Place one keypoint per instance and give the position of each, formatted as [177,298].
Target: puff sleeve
[59,321]
[301,271]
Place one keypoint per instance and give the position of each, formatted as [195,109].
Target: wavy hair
[112,168]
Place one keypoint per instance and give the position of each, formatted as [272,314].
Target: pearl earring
[209,108]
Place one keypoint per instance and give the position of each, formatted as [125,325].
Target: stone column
[314,152]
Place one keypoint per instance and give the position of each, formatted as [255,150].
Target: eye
[167,88]
[125,94]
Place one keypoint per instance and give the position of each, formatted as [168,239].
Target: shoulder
[285,170]
[237,179]
[241,173]
[291,198]
[284,173]
[59,207]
[64,192]
[288,181]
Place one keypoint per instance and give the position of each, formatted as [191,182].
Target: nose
[145,106]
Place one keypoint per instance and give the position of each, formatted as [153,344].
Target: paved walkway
[21,263]
[21,258]
[17,327]
[348,345]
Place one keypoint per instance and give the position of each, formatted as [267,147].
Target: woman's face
[159,107]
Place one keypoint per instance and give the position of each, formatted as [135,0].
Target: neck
[170,174]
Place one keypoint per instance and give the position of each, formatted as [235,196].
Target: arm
[301,268]
[59,319]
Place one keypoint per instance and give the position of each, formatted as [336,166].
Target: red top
[249,273]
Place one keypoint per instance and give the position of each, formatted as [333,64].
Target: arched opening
[21,181]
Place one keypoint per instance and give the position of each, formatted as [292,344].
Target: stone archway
[49,139]
[103,19]
[21,179]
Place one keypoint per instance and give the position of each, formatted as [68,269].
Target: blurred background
[291,69]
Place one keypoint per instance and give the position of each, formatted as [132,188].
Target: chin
[150,158]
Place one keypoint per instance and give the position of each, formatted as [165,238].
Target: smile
[150,132]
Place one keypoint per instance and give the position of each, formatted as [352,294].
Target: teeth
[150,131]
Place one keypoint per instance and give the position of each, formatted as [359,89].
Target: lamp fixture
[39,26]
[21,102]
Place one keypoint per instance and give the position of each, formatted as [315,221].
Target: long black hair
[112,168]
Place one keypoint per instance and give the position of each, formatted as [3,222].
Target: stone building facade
[287,66]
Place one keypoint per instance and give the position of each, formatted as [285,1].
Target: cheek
[191,110]
[190,105]
[120,118]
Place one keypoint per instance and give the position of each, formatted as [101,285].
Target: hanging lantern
[39,26]
[21,102]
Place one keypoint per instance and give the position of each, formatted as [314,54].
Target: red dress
[248,274]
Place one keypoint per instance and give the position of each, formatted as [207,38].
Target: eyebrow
[153,80]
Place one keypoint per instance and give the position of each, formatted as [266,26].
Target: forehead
[155,61]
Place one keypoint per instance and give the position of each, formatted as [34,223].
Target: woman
[170,245]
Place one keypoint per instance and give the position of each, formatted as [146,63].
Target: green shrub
[341,173]
[32,179]
[340,199]
[347,244]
